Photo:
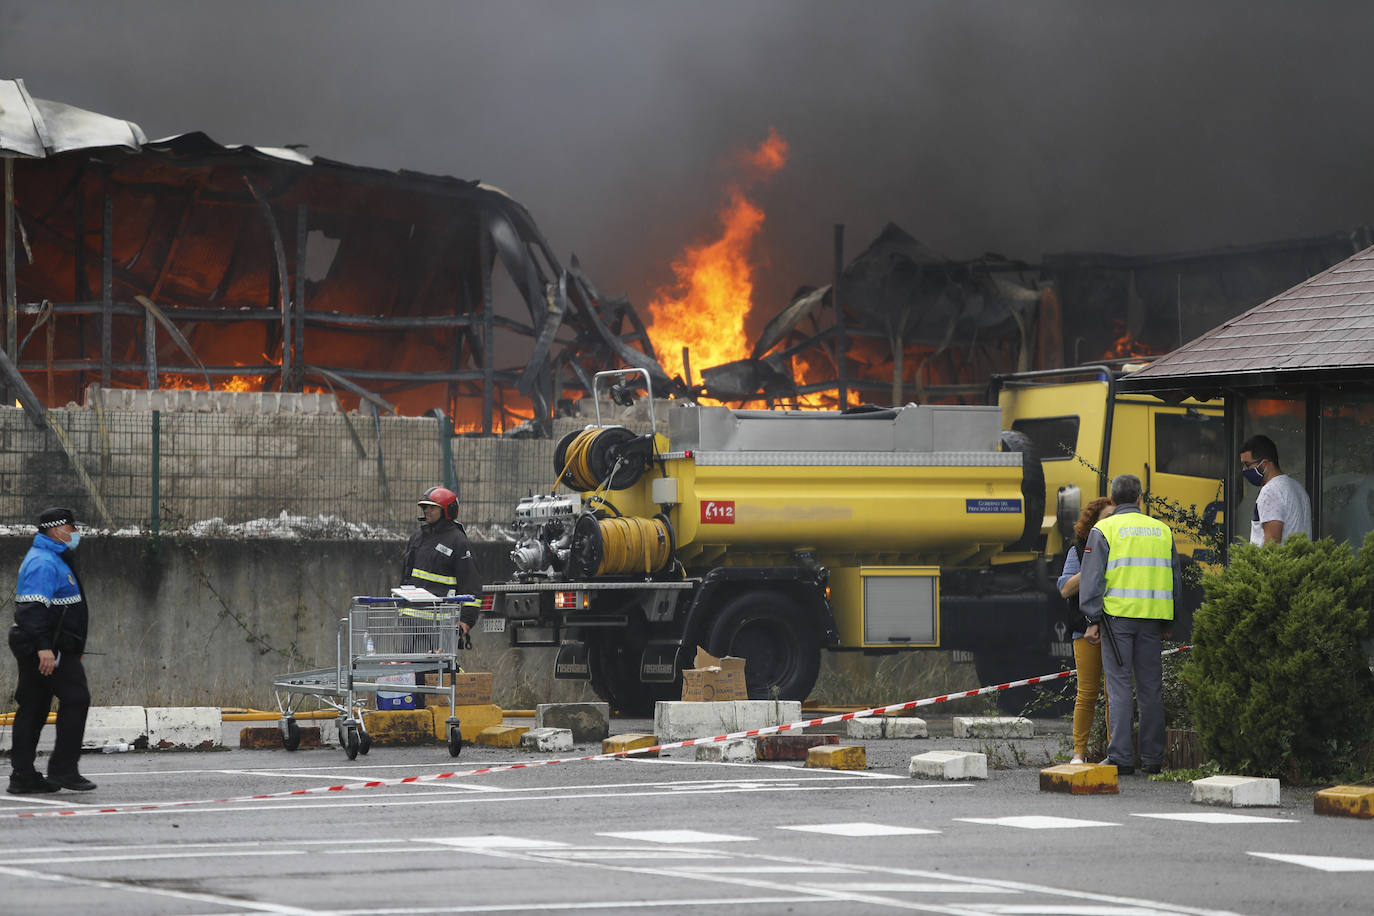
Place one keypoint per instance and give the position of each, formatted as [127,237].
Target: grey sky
[1016,127]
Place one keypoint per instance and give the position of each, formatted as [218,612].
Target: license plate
[494,625]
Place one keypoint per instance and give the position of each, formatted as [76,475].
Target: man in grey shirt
[1282,508]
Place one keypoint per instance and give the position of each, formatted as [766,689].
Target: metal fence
[213,473]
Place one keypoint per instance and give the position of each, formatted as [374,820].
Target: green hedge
[1280,681]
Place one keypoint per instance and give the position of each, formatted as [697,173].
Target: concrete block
[993,727]
[1236,791]
[737,750]
[501,735]
[107,725]
[267,737]
[1345,801]
[790,746]
[471,720]
[904,727]
[617,744]
[1080,779]
[863,729]
[104,725]
[948,765]
[837,757]
[399,727]
[676,720]
[588,722]
[547,739]
[184,727]
[763,713]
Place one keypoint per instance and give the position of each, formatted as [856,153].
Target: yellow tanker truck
[774,534]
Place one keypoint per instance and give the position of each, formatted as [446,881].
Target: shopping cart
[408,633]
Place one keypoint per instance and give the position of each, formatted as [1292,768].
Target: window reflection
[1347,497]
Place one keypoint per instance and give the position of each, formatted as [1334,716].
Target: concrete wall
[213,622]
[240,466]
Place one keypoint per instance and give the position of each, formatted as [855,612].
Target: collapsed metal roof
[140,262]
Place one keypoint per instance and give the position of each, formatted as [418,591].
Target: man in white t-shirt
[1282,508]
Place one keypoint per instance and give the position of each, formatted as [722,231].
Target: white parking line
[1219,817]
[859,829]
[1037,822]
[1321,863]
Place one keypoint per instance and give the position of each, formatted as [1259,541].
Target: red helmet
[445,499]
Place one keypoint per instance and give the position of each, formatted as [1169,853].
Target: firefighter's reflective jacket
[439,560]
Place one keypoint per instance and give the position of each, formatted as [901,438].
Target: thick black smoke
[1014,127]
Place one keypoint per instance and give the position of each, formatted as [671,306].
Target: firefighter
[439,560]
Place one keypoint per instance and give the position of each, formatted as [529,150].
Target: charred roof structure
[134,263]
[183,262]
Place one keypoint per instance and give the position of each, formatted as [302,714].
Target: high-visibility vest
[1140,567]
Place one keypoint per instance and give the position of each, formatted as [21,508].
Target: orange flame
[705,309]
[1126,345]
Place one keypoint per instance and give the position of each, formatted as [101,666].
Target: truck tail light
[487,602]
[567,601]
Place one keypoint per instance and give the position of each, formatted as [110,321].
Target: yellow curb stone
[501,735]
[471,720]
[392,727]
[1345,801]
[1079,779]
[618,743]
[837,757]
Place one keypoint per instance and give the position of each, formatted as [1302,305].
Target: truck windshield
[1055,438]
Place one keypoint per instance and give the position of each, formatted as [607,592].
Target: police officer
[1130,577]
[439,560]
[47,639]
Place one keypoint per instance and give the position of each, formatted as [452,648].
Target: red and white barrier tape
[482,771]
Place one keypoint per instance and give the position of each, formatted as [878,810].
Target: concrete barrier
[185,727]
[738,750]
[1236,792]
[948,765]
[904,727]
[993,727]
[547,739]
[864,729]
[588,722]
[676,720]
[106,725]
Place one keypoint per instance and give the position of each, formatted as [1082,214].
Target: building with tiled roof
[1299,368]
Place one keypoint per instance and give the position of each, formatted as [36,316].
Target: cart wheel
[351,742]
[455,741]
[340,727]
[364,742]
[290,733]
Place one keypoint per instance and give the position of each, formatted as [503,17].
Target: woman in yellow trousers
[1087,658]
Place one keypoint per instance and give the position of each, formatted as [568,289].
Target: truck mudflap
[658,665]
[571,663]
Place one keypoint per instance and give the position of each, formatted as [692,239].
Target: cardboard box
[471,689]
[713,679]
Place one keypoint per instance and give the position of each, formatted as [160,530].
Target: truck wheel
[777,640]
[613,657]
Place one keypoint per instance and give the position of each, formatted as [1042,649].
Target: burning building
[182,262]
[185,263]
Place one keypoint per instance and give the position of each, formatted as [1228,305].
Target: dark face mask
[1254,475]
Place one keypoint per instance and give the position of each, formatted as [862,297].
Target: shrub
[1280,683]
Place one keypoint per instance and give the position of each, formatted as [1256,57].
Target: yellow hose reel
[620,546]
